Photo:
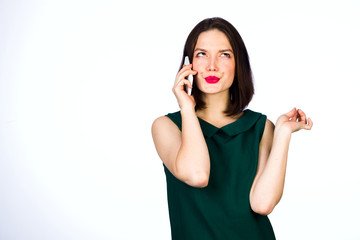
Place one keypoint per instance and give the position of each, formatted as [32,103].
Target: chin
[212,90]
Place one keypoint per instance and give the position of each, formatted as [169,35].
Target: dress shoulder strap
[176,118]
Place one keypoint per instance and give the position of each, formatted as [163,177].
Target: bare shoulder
[269,126]
[268,134]
[162,119]
[163,123]
[164,131]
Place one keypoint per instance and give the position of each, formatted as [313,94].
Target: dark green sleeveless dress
[222,209]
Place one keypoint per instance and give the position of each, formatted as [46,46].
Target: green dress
[222,209]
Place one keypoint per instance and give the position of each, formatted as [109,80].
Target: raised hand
[184,100]
[294,121]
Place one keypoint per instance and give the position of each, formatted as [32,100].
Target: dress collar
[242,124]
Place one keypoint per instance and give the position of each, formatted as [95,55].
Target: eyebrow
[226,50]
[221,50]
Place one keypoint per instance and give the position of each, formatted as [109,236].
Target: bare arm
[184,153]
[268,185]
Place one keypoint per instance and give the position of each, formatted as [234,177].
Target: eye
[200,54]
[227,55]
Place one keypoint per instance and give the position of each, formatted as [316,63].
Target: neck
[216,104]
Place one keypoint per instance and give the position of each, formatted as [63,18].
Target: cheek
[230,69]
[229,83]
[229,66]
[197,66]
[199,63]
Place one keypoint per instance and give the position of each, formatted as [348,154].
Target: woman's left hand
[294,121]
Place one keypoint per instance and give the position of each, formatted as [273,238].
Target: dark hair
[242,89]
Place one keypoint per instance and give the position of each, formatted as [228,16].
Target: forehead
[213,39]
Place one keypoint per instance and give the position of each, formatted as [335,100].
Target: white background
[82,81]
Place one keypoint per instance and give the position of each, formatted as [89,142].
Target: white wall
[82,81]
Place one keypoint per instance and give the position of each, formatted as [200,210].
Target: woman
[224,164]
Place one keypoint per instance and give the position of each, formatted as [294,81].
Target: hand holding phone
[190,77]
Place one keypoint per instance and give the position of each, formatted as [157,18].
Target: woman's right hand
[185,101]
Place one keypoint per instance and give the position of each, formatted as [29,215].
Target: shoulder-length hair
[242,89]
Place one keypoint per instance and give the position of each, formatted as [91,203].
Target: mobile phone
[190,77]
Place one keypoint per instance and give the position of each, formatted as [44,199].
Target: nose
[212,64]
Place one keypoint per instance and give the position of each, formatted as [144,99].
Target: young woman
[224,164]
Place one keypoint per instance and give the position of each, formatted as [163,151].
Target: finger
[187,83]
[296,117]
[181,72]
[301,116]
[180,85]
[184,69]
[291,115]
[193,72]
[181,75]
[309,124]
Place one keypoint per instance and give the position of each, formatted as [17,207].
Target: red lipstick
[212,79]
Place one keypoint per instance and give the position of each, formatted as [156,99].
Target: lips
[212,79]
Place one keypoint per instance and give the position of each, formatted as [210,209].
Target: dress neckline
[229,124]
[242,124]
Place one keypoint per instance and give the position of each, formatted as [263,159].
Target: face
[214,61]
